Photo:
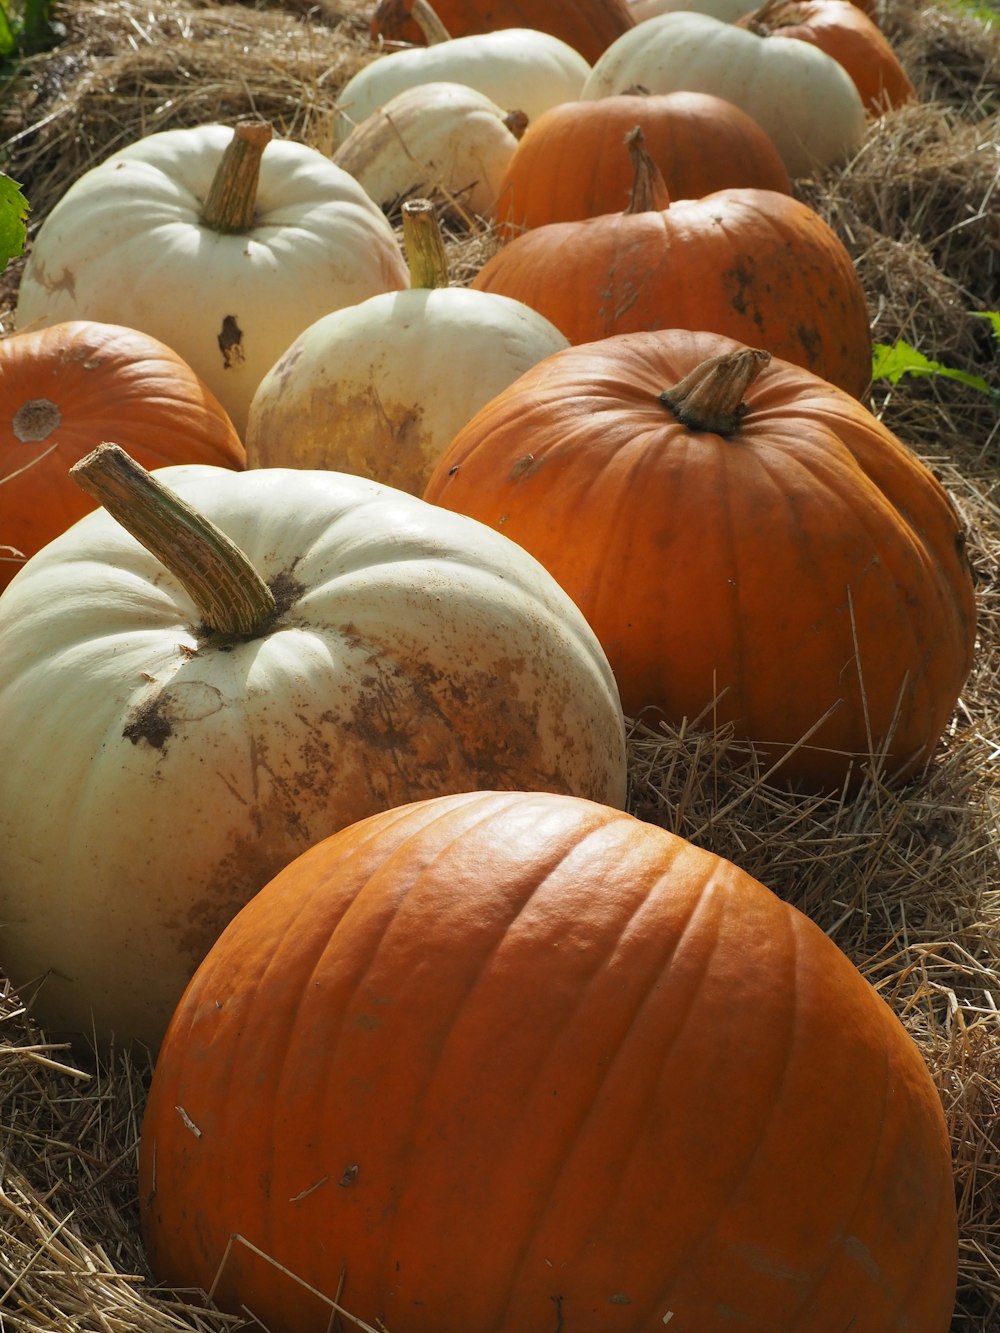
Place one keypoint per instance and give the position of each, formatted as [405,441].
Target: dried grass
[907,882]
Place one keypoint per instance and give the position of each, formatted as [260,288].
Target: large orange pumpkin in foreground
[509,1062]
[66,388]
[759,551]
[757,265]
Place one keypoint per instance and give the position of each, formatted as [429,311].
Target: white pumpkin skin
[125,245]
[436,137]
[381,389]
[518,68]
[151,781]
[803,98]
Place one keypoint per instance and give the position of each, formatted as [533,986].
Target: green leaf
[993,316]
[13,217]
[892,363]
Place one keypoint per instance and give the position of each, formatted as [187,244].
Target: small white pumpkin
[520,68]
[170,740]
[435,138]
[380,389]
[803,98]
[226,275]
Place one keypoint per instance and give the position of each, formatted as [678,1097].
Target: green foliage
[892,363]
[26,26]
[13,216]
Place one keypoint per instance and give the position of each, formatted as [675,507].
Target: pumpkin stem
[232,198]
[649,193]
[517,122]
[425,252]
[430,25]
[710,397]
[231,596]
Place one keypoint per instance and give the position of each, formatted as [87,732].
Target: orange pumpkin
[755,265]
[759,551]
[515,1061]
[67,388]
[569,163]
[845,32]
[589,26]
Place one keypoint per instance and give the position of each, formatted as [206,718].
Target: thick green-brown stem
[423,244]
[649,193]
[710,397]
[429,24]
[231,596]
[232,199]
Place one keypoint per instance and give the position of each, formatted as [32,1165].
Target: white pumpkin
[157,770]
[127,245]
[726,10]
[803,98]
[441,138]
[380,389]
[520,68]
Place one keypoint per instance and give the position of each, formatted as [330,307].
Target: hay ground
[907,882]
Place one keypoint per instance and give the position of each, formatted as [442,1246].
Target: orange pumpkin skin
[589,26]
[512,1061]
[844,31]
[67,388]
[807,563]
[569,163]
[754,265]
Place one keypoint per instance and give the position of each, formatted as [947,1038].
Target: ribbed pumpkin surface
[510,1062]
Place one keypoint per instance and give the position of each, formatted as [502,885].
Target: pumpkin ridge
[657,884]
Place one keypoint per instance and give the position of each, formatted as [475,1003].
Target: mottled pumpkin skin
[589,26]
[571,162]
[510,1061]
[843,30]
[755,265]
[808,564]
[66,388]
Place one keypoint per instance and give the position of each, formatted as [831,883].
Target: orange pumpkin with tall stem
[755,265]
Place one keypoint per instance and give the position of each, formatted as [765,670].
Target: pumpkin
[845,32]
[381,388]
[516,68]
[569,163]
[515,1061]
[66,387]
[802,98]
[435,138]
[755,265]
[297,649]
[749,543]
[224,244]
[587,25]
[727,10]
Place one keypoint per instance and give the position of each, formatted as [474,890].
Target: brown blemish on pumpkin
[231,343]
[150,722]
[35,420]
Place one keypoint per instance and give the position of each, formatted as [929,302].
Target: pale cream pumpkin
[514,67]
[803,98]
[436,138]
[167,746]
[380,389]
[227,275]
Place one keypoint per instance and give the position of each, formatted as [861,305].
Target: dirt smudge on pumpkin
[231,343]
[156,719]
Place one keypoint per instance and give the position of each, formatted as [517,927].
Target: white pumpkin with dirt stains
[382,388]
[126,245]
[153,777]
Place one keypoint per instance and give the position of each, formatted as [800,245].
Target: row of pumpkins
[313,735]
